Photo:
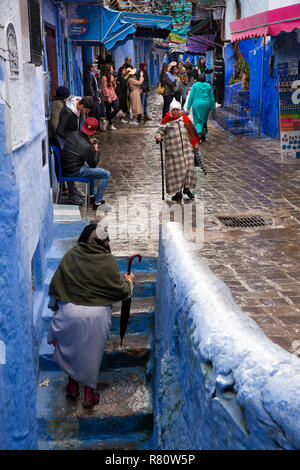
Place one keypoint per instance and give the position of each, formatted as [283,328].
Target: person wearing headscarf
[85,285]
[201,100]
[180,139]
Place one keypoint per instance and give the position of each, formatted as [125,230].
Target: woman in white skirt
[85,285]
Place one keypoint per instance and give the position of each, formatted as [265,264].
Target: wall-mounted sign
[78,26]
[12,48]
[289,108]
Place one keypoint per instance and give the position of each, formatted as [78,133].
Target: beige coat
[135,95]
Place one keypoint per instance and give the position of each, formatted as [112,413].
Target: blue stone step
[135,351]
[140,321]
[60,246]
[125,407]
[136,441]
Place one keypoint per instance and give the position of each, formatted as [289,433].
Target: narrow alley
[245,178]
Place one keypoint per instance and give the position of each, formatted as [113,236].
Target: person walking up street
[201,100]
[145,90]
[109,95]
[184,82]
[135,94]
[85,285]
[178,90]
[168,83]
[180,138]
[80,158]
[91,89]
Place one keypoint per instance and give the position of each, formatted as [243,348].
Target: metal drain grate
[253,221]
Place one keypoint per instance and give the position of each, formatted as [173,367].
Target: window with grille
[34,17]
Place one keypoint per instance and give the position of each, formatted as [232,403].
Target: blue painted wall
[18,427]
[218,378]
[25,236]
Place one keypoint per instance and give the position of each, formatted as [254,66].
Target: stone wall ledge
[221,383]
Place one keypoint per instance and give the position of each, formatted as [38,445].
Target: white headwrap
[175,105]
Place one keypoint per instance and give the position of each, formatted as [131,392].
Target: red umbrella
[125,309]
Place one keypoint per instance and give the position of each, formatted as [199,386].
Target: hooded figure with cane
[181,140]
[85,285]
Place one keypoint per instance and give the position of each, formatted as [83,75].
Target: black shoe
[188,193]
[203,138]
[95,206]
[177,197]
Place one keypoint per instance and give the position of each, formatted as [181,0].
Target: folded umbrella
[125,308]
[200,160]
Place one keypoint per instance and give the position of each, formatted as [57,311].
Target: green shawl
[89,275]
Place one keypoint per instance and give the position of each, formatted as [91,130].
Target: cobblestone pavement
[245,177]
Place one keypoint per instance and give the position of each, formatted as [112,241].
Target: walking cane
[162,172]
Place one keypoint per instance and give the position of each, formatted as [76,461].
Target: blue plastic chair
[62,179]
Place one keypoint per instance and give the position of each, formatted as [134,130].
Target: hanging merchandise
[181,11]
[289,108]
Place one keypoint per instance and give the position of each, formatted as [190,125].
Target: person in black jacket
[80,157]
[145,86]
[122,90]
[70,118]
[71,115]
[218,83]
[168,83]
[91,89]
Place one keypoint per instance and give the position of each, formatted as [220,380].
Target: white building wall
[25,131]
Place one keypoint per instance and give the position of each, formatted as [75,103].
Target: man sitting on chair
[80,157]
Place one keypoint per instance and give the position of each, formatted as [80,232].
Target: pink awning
[268,23]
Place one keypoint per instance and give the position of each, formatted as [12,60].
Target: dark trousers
[98,112]
[167,102]
[111,110]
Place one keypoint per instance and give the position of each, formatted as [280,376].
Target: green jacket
[89,275]
[56,107]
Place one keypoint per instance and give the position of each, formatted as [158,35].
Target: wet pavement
[245,177]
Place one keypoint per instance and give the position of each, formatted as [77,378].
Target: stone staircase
[124,417]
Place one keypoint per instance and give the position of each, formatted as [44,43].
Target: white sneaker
[112,128]
[123,121]
[104,125]
[134,123]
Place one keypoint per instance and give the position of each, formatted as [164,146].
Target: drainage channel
[124,417]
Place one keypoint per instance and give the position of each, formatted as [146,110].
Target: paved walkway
[260,265]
